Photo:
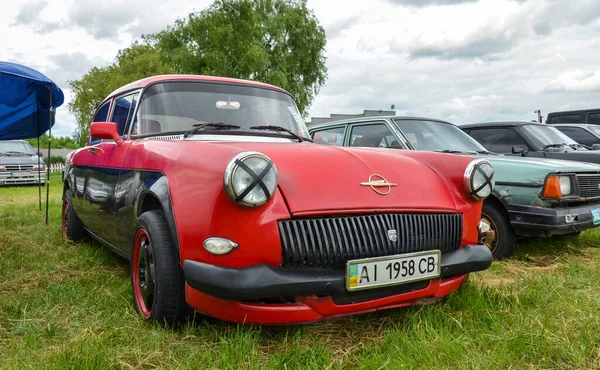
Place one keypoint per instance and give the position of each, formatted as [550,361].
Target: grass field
[65,305]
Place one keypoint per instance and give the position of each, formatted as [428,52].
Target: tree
[58,142]
[274,41]
[133,63]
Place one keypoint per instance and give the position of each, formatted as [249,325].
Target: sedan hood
[318,178]
[547,164]
[592,156]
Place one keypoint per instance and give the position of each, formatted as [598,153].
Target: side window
[567,118]
[100,116]
[594,118]
[376,135]
[331,136]
[123,112]
[499,140]
[579,135]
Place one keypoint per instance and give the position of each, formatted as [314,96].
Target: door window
[377,135]
[331,136]
[123,112]
[594,118]
[499,140]
[567,118]
[100,116]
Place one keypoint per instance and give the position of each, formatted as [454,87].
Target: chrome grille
[27,167]
[589,185]
[332,241]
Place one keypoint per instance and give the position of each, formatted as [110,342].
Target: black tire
[72,227]
[505,237]
[156,275]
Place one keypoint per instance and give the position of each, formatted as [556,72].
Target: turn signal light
[552,188]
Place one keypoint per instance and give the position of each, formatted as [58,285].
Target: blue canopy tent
[28,100]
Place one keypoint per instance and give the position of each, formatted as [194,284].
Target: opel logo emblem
[377,181]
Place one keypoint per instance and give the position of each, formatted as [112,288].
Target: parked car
[588,135]
[19,164]
[212,189]
[529,139]
[532,197]
[587,116]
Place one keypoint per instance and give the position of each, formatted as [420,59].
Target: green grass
[65,305]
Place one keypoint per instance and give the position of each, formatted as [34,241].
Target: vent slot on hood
[332,241]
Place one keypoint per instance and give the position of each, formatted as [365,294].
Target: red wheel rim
[144,273]
[66,216]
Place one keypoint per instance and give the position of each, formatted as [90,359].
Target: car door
[102,162]
[499,140]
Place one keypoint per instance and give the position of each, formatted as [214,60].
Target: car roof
[182,77]
[573,111]
[371,118]
[505,123]
[582,125]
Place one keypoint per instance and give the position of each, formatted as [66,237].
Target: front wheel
[156,276]
[72,227]
[500,236]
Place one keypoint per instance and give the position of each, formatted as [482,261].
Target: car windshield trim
[236,104]
[542,136]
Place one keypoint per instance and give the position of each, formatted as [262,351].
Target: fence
[56,167]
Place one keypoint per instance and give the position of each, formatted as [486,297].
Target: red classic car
[212,188]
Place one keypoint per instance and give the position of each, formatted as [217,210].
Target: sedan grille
[10,168]
[332,241]
[589,185]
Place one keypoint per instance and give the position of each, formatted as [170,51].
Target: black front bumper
[266,281]
[532,220]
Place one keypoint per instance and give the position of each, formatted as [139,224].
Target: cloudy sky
[459,60]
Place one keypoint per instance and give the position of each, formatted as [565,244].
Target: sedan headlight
[250,179]
[479,179]
[557,186]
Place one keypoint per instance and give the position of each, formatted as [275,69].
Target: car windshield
[595,130]
[16,148]
[180,106]
[438,136]
[541,136]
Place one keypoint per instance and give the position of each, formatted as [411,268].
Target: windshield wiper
[575,146]
[281,129]
[456,151]
[554,146]
[13,152]
[214,125]
[487,152]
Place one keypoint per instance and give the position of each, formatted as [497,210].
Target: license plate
[596,215]
[19,174]
[378,272]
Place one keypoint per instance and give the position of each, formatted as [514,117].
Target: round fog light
[220,246]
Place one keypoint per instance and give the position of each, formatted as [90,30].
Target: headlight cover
[250,179]
[557,186]
[479,179]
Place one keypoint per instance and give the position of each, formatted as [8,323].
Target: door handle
[95,150]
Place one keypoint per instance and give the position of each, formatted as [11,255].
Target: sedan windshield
[541,136]
[438,136]
[16,148]
[177,107]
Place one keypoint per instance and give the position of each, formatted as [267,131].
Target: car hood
[319,178]
[578,155]
[26,159]
[548,164]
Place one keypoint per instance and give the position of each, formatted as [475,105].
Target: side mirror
[518,149]
[105,130]
[595,146]
[39,154]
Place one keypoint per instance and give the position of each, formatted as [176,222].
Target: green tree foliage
[133,63]
[275,41]
[58,142]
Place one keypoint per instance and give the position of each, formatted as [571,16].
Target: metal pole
[39,160]
[51,111]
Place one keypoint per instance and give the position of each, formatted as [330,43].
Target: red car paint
[314,180]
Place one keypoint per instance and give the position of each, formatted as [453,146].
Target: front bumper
[24,178]
[266,281]
[534,221]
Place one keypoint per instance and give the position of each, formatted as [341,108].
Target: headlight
[479,179]
[2,169]
[557,186]
[250,179]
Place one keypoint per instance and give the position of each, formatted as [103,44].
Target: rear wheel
[500,236]
[156,276]
[72,227]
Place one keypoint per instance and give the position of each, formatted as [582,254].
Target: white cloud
[575,81]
